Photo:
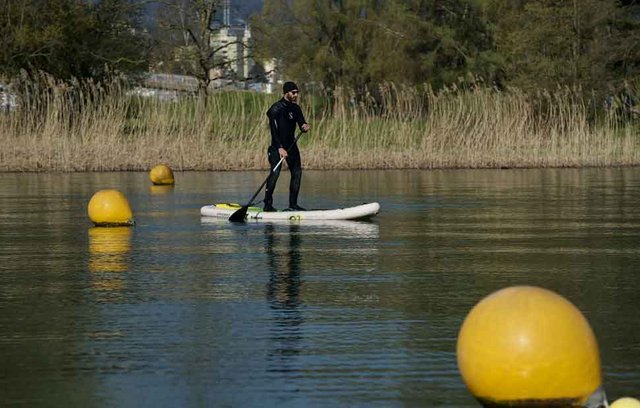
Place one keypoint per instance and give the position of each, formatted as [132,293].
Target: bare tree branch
[194,19]
[222,47]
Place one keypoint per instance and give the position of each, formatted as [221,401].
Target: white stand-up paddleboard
[359,212]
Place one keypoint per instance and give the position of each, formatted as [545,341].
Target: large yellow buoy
[626,403]
[524,346]
[161,175]
[110,208]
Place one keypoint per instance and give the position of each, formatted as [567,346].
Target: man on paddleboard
[284,116]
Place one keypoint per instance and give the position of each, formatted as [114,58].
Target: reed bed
[96,127]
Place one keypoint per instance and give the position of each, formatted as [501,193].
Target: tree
[362,43]
[454,43]
[192,26]
[624,53]
[588,43]
[71,38]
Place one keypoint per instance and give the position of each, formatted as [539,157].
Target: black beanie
[289,86]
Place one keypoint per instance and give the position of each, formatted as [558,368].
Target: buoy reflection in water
[108,257]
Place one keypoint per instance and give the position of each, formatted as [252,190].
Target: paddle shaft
[240,214]
[264,182]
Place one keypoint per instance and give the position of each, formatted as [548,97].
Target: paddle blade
[239,215]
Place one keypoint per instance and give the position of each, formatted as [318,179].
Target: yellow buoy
[110,208]
[161,175]
[523,346]
[626,403]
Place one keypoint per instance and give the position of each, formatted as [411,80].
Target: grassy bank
[96,128]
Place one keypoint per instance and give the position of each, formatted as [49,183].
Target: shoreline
[266,169]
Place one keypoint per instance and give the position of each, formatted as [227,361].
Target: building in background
[8,99]
[235,67]
[234,42]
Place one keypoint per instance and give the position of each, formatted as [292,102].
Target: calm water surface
[182,311]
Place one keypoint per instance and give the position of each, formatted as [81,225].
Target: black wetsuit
[284,116]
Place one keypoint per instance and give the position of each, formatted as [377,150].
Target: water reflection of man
[283,289]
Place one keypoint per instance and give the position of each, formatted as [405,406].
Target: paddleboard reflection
[343,228]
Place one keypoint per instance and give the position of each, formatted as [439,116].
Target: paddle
[240,214]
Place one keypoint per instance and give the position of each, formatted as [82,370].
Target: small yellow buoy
[110,208]
[523,346]
[626,403]
[161,175]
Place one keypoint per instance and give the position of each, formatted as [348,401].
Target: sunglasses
[294,92]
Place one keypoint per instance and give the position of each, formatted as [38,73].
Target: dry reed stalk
[94,127]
